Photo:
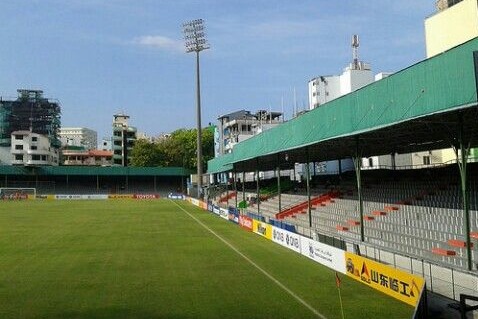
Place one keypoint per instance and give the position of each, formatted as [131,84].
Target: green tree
[177,150]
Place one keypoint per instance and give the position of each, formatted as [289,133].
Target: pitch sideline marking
[276,281]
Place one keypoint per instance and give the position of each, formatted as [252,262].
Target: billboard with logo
[393,282]
[261,228]
[245,222]
[326,255]
[224,213]
[145,196]
[286,238]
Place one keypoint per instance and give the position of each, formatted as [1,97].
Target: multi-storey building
[87,157]
[123,139]
[78,136]
[32,149]
[32,113]
[238,126]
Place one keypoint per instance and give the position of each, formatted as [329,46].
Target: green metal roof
[440,84]
[95,170]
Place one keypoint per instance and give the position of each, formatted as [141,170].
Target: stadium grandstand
[95,180]
[422,220]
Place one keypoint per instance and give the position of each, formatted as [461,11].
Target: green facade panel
[439,84]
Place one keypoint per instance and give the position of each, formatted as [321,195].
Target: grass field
[152,259]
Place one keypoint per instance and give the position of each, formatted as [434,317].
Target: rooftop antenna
[355,46]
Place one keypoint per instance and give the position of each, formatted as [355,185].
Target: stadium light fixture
[195,41]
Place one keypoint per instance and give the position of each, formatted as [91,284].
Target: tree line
[178,150]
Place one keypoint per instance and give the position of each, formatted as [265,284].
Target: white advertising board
[326,255]
[224,213]
[286,238]
[80,197]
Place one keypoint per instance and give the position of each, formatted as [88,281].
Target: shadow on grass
[107,313]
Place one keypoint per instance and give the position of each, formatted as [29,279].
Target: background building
[30,112]
[325,88]
[32,149]
[238,126]
[454,23]
[123,139]
[82,157]
[78,136]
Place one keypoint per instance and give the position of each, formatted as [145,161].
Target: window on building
[18,147]
[43,157]
[19,137]
[33,147]
[34,139]
[426,160]
[370,162]
[18,157]
[35,157]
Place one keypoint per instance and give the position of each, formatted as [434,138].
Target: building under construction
[30,112]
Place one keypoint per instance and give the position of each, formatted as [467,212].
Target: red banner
[245,222]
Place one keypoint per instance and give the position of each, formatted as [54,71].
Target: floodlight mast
[195,41]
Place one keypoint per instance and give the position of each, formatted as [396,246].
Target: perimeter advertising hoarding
[388,280]
[245,222]
[286,238]
[326,255]
[120,196]
[261,228]
[195,202]
[145,196]
[80,197]
[203,205]
[224,213]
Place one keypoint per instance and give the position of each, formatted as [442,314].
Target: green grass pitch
[150,259]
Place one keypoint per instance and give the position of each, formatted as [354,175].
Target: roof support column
[307,174]
[462,151]
[243,186]
[358,173]
[278,183]
[6,180]
[258,202]
[235,188]
[154,183]
[97,182]
[227,189]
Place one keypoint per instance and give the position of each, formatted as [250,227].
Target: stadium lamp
[195,41]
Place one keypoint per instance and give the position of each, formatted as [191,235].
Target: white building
[32,149]
[78,136]
[239,126]
[323,89]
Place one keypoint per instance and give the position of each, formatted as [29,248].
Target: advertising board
[224,213]
[388,280]
[326,255]
[146,196]
[261,228]
[80,197]
[120,196]
[286,238]
[245,222]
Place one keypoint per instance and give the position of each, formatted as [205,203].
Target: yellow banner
[120,196]
[261,228]
[393,282]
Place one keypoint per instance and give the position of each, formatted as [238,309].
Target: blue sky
[100,57]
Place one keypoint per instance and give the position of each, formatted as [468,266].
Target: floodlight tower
[195,41]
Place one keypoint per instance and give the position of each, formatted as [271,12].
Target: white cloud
[160,42]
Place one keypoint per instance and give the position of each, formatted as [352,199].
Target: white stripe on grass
[277,282]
